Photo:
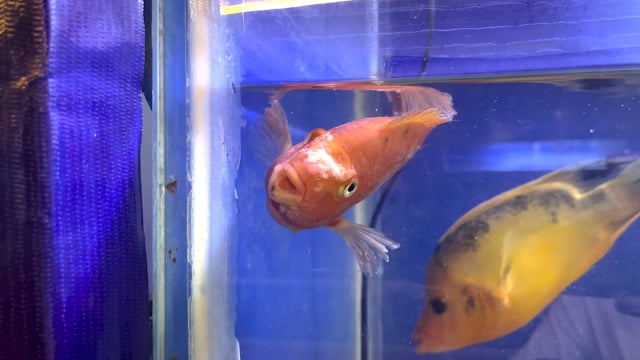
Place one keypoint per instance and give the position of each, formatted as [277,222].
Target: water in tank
[515,217]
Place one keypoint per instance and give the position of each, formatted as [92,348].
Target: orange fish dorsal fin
[314,134]
[404,98]
[430,118]
[274,131]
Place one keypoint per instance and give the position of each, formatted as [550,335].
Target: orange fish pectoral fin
[368,245]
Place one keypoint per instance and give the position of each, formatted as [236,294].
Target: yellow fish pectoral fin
[505,284]
[503,293]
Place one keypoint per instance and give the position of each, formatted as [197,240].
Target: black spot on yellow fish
[509,207]
[554,199]
[519,203]
[505,273]
[595,198]
[438,306]
[587,174]
[597,173]
[470,304]
[465,237]
[554,216]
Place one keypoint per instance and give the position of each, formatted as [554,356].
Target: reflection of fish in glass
[504,261]
[311,184]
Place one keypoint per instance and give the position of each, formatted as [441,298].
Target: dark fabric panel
[25,226]
[73,281]
[100,295]
[147,86]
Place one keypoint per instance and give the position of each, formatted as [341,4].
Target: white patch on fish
[288,210]
[326,164]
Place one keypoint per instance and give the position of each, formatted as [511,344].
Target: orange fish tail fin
[368,245]
[274,132]
[408,99]
[425,118]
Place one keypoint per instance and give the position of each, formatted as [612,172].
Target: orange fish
[312,184]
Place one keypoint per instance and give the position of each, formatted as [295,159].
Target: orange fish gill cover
[311,184]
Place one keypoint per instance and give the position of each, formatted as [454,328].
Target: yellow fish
[508,258]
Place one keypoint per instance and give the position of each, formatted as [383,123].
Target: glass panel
[392,39]
[537,86]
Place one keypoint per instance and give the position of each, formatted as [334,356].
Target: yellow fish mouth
[285,185]
[423,343]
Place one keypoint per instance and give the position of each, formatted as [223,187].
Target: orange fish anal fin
[274,131]
[368,245]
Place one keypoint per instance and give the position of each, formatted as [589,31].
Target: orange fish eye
[349,189]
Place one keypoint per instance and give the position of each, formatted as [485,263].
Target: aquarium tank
[547,270]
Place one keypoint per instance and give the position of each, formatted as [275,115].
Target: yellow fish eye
[438,306]
[349,189]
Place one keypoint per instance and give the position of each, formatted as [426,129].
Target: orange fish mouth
[285,185]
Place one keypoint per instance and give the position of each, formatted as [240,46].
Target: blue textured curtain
[73,281]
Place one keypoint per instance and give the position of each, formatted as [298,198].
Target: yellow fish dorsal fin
[429,118]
